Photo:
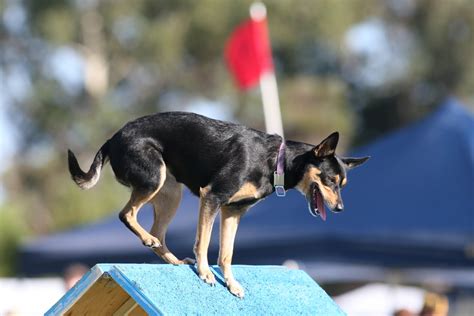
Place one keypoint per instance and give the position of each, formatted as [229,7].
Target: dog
[229,166]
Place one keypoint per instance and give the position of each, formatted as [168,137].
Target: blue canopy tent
[410,205]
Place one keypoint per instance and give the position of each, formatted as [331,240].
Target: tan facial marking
[246,191]
[329,195]
[309,177]
[344,182]
[312,175]
[337,179]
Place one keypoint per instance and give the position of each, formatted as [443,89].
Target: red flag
[248,52]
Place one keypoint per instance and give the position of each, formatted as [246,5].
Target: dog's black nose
[339,207]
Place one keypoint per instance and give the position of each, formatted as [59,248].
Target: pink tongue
[320,205]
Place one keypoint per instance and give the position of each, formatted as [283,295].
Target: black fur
[202,152]
[89,179]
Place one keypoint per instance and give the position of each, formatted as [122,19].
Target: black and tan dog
[229,166]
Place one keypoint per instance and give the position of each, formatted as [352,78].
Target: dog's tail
[88,180]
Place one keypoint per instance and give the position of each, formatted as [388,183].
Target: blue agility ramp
[158,289]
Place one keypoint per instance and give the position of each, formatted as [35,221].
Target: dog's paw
[236,289]
[152,242]
[208,277]
[184,261]
[188,261]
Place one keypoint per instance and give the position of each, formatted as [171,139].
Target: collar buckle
[279,184]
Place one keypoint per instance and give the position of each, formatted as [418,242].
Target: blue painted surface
[177,290]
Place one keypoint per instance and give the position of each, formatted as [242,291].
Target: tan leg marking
[230,219]
[129,213]
[248,190]
[207,215]
[165,205]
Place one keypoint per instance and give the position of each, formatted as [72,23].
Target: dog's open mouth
[316,202]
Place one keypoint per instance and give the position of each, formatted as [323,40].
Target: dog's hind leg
[230,218]
[165,204]
[129,213]
[207,214]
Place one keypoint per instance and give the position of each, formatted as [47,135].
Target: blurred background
[378,71]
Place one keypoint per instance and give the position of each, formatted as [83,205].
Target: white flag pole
[268,85]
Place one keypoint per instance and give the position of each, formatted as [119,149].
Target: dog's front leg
[207,214]
[230,219]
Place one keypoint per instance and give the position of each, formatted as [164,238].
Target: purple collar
[279,174]
[281,159]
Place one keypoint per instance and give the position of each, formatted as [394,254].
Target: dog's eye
[336,180]
[332,182]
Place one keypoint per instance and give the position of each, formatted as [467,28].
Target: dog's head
[325,174]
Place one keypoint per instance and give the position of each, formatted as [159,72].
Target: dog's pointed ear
[328,146]
[351,163]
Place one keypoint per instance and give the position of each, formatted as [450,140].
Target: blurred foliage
[12,229]
[135,56]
